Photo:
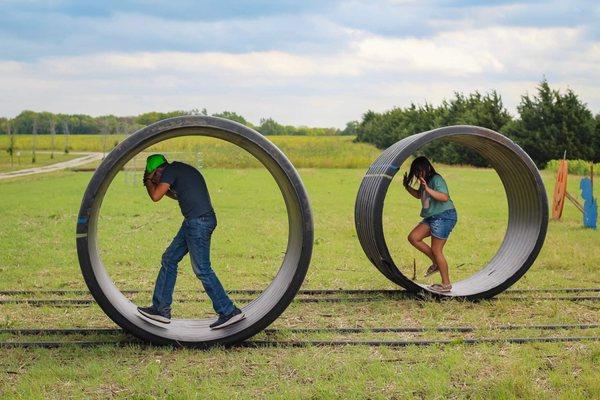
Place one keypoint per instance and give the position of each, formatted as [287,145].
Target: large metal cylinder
[261,311]
[527,209]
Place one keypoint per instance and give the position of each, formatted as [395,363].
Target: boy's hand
[146,176]
[153,177]
[156,175]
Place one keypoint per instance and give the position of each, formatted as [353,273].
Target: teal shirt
[430,205]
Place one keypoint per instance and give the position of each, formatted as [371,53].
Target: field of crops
[303,151]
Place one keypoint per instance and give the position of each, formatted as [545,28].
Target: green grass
[37,251]
[483,372]
[250,239]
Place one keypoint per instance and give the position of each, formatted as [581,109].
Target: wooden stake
[592,177]
[575,202]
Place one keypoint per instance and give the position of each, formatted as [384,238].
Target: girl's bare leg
[437,247]
[416,236]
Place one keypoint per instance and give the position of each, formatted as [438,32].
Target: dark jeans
[193,237]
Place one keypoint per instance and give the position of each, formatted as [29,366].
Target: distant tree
[23,123]
[291,130]
[83,124]
[4,126]
[384,129]
[476,109]
[268,126]
[44,121]
[234,117]
[351,128]
[552,123]
[110,124]
[152,117]
[10,149]
[196,111]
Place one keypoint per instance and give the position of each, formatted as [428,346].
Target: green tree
[152,117]
[23,123]
[3,126]
[476,109]
[233,117]
[552,123]
[384,129]
[268,126]
[81,124]
[351,128]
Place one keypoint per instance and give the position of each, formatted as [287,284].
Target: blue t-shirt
[189,186]
[430,205]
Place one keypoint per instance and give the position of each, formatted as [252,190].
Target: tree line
[548,124]
[30,122]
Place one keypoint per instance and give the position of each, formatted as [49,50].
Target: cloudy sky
[309,62]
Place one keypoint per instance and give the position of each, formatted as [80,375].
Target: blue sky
[308,62]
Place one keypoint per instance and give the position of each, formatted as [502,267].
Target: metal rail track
[88,301]
[317,343]
[309,292]
[270,331]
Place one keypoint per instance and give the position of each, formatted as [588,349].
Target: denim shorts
[441,224]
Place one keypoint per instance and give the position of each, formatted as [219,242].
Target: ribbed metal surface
[527,209]
[261,311]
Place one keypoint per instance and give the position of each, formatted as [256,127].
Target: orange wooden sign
[560,189]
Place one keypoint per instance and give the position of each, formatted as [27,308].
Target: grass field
[37,251]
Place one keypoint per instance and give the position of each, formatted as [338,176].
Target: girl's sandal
[432,268]
[440,288]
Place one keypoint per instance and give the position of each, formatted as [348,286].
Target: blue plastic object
[590,204]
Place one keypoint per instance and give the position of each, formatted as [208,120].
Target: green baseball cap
[154,161]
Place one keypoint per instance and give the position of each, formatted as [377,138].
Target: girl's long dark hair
[420,164]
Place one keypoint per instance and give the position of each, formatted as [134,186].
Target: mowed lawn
[37,251]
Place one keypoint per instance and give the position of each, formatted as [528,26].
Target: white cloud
[369,72]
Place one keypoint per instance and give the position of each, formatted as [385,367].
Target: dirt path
[88,157]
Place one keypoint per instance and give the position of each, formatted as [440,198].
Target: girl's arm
[439,196]
[413,192]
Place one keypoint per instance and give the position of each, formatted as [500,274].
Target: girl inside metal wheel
[439,217]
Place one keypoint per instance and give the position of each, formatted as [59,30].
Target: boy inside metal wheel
[184,183]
